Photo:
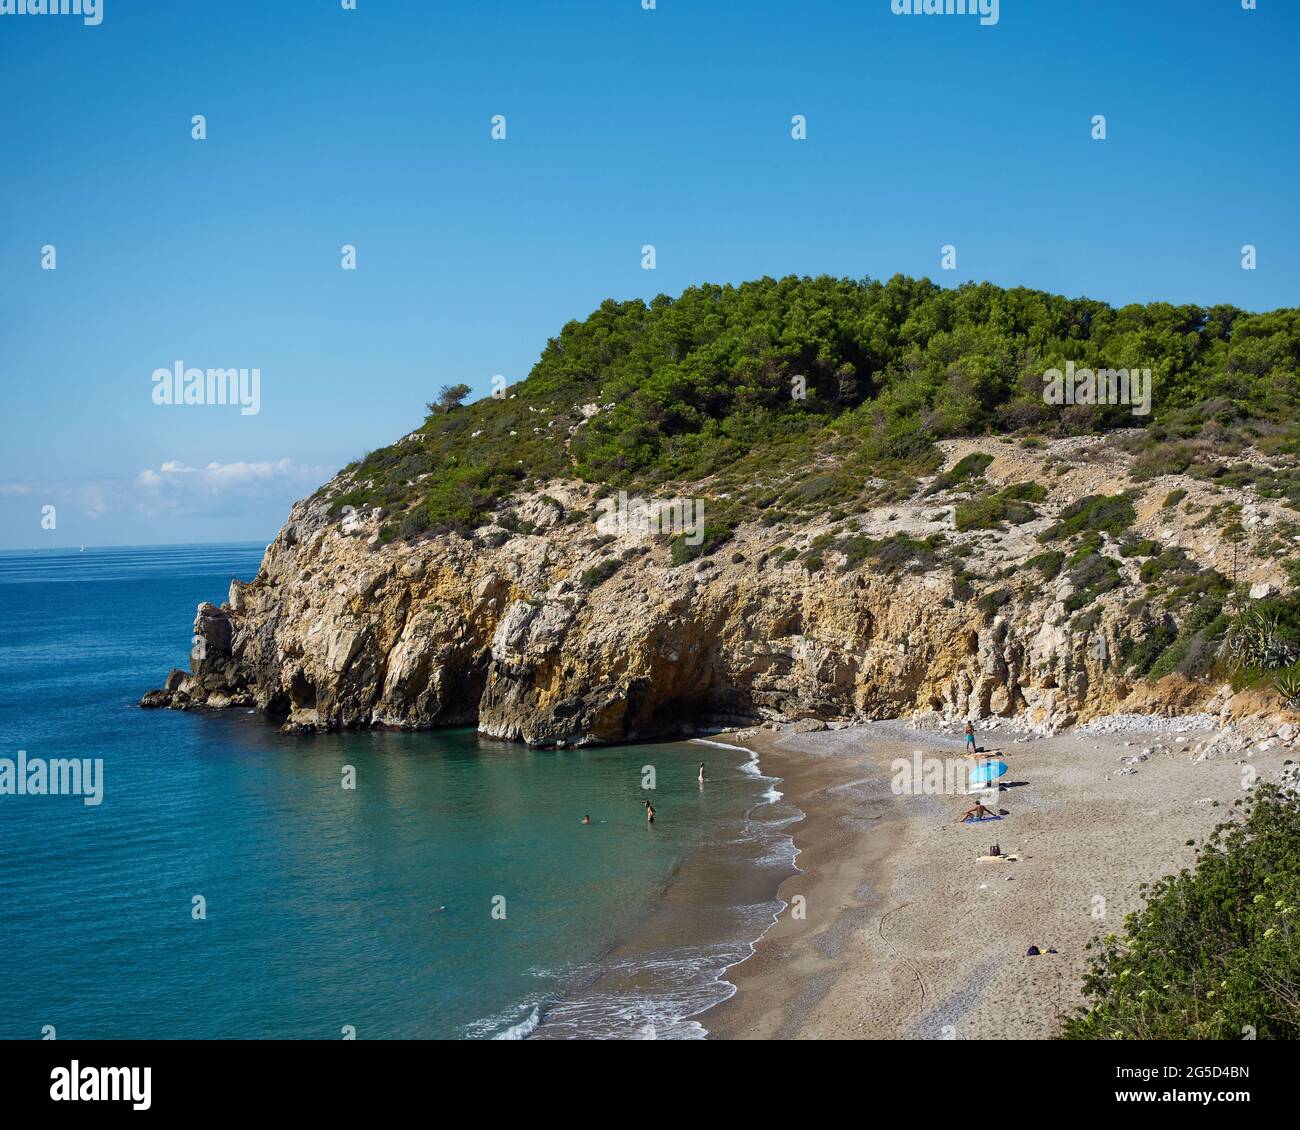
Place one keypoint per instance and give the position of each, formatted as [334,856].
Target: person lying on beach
[979,812]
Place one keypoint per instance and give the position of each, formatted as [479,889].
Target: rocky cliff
[576,632]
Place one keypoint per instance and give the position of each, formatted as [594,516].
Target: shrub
[1213,951]
[1287,685]
[601,572]
[1255,639]
[1048,564]
[1195,650]
[892,554]
[711,538]
[415,523]
[1086,621]
[518,525]
[991,513]
[1098,513]
[1163,459]
[964,470]
[1024,492]
[1138,547]
[1092,575]
[971,466]
[990,602]
[821,489]
[1140,655]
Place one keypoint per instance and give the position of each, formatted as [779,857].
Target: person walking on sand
[970,737]
[649,813]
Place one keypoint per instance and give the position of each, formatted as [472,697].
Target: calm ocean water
[328,908]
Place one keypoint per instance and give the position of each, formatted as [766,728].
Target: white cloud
[176,485]
[232,473]
[217,477]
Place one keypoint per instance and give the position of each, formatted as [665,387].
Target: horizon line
[136,545]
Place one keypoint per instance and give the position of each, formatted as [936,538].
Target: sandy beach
[895,930]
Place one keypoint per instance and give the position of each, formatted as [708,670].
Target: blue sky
[625,127]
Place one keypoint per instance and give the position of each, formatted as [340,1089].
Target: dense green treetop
[701,384]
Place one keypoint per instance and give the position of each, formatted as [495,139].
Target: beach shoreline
[666,965]
[893,928]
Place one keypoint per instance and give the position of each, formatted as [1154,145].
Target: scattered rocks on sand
[1149,724]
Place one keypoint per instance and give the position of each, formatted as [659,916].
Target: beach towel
[979,819]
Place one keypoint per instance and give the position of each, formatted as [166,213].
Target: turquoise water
[327,907]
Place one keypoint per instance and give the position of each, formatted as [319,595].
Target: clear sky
[625,127]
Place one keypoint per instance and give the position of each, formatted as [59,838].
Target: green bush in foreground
[1215,953]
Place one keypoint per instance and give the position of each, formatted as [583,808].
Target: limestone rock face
[339,631]
[574,632]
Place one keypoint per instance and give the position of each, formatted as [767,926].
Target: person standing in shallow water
[701,772]
[649,813]
[970,737]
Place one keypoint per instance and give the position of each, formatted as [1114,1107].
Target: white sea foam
[506,1024]
[722,745]
[523,1029]
[686,982]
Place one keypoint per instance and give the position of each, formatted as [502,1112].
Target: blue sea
[229,886]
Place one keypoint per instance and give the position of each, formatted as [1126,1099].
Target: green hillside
[700,387]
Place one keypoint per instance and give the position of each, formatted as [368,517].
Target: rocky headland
[555,631]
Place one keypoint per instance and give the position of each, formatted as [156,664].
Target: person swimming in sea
[586,819]
[649,813]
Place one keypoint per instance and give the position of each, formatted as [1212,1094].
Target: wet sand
[903,934]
